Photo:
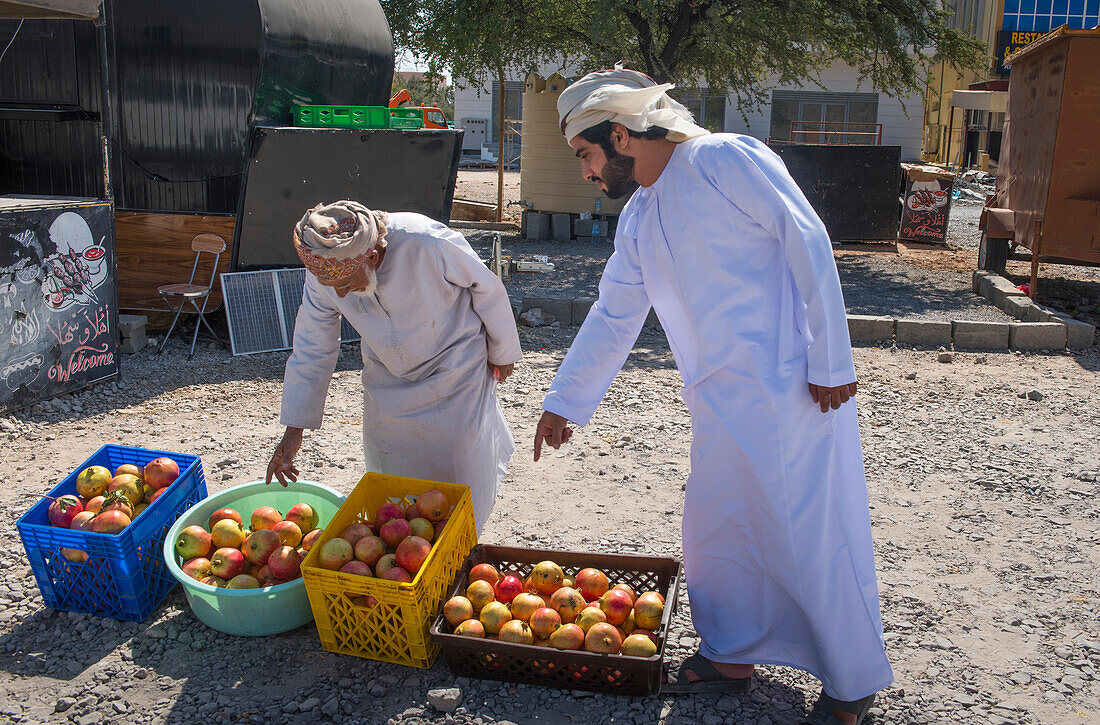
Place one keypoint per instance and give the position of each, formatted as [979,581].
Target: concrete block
[870,328]
[976,280]
[1017,307]
[561,227]
[1003,289]
[133,343]
[583,227]
[930,333]
[538,226]
[1036,312]
[1037,336]
[558,307]
[985,286]
[1079,335]
[580,310]
[980,335]
[131,324]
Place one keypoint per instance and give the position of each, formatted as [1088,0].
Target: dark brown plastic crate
[614,674]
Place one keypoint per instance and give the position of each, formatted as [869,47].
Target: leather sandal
[825,709]
[710,679]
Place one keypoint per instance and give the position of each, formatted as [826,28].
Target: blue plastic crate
[125,576]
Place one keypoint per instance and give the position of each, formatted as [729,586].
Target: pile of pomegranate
[549,609]
[106,503]
[270,552]
[392,545]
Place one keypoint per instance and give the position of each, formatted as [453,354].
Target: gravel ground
[983,478]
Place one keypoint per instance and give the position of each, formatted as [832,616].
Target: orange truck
[433,117]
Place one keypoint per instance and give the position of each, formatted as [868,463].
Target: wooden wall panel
[155,249]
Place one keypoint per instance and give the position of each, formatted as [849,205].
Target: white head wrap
[628,97]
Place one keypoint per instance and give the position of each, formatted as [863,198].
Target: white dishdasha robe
[437,318]
[776,529]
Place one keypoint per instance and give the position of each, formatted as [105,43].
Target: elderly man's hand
[501,372]
[282,462]
[832,397]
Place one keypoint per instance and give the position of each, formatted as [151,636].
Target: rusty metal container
[1050,170]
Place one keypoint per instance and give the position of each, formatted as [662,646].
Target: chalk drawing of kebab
[67,280]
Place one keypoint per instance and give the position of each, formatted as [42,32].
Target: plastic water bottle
[596,223]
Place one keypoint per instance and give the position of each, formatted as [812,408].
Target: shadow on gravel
[884,286]
[60,645]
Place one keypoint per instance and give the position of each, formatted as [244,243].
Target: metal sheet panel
[293,169]
[50,9]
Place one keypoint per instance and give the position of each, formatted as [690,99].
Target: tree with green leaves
[727,47]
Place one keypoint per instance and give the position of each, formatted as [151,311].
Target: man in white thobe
[723,245]
[437,335]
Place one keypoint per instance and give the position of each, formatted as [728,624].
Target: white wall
[897,129]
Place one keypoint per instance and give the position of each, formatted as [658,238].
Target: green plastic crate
[406,118]
[341,116]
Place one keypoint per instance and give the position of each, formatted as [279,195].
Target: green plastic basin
[251,612]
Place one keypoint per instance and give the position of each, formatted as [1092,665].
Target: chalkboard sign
[927,203]
[58,298]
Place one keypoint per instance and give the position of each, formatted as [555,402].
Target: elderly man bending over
[437,336]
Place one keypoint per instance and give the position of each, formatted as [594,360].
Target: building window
[513,106]
[1046,15]
[709,110]
[825,118]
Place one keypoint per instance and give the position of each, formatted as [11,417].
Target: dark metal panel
[293,169]
[854,189]
[184,76]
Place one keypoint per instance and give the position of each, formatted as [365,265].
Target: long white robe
[438,316]
[776,530]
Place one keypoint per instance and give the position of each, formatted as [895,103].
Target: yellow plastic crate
[396,628]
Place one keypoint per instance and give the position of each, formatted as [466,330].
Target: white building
[840,99]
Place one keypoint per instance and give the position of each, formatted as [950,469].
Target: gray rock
[63,704]
[332,707]
[309,704]
[945,356]
[1034,395]
[445,699]
[536,317]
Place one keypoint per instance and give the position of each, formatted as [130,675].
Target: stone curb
[1014,303]
[1048,330]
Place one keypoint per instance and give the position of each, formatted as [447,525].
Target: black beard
[618,175]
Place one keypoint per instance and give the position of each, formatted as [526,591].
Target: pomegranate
[311,538]
[411,512]
[265,517]
[147,493]
[568,603]
[480,593]
[94,504]
[157,494]
[386,513]
[567,582]
[214,581]
[92,481]
[485,572]
[394,531]
[423,528]
[508,588]
[129,486]
[303,515]
[129,468]
[397,574]
[471,628]
[567,636]
[243,581]
[354,532]
[370,549]
[524,605]
[590,616]
[411,553]
[161,472]
[227,563]
[82,521]
[365,601]
[628,626]
[358,568]
[335,553]
[259,546]
[63,510]
[457,610]
[193,541]
[493,615]
[196,568]
[516,632]
[638,645]
[616,604]
[544,621]
[629,590]
[591,583]
[76,556]
[603,638]
[227,532]
[117,501]
[647,633]
[284,563]
[433,505]
[263,575]
[384,564]
[547,577]
[138,509]
[225,513]
[649,610]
